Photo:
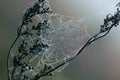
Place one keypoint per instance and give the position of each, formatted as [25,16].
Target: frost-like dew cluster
[46,40]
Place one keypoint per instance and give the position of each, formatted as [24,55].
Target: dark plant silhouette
[21,61]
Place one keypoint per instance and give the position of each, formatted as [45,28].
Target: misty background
[100,61]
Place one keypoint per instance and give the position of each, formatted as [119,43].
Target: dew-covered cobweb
[61,37]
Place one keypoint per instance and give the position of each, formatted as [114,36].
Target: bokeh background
[100,61]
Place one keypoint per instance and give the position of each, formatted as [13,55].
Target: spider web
[65,37]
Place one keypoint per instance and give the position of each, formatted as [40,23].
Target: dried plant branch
[38,47]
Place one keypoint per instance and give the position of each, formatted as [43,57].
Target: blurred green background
[100,61]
